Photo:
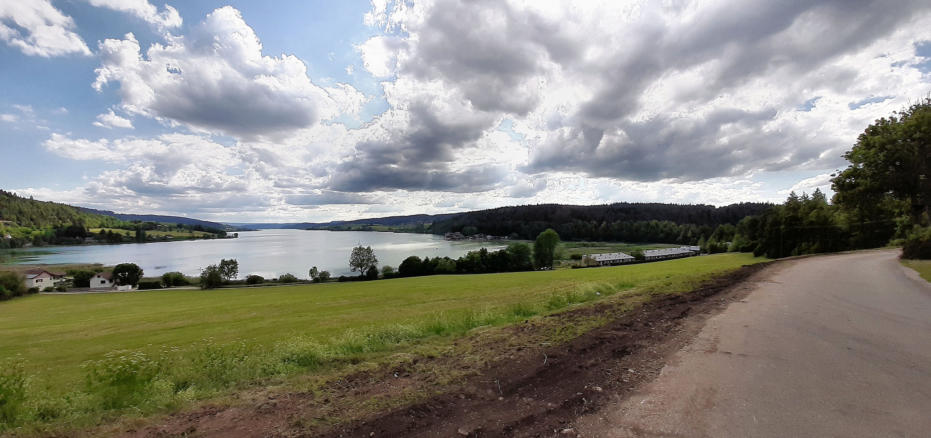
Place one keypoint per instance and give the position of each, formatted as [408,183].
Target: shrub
[371,273]
[918,244]
[150,284]
[255,279]
[211,277]
[49,289]
[81,278]
[323,277]
[61,288]
[32,290]
[170,279]
[287,278]
[12,284]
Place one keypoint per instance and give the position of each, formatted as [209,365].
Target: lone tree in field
[127,274]
[229,269]
[544,248]
[361,259]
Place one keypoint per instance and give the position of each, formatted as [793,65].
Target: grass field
[922,266]
[84,355]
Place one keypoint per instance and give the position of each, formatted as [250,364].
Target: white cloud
[38,29]
[9,118]
[110,120]
[168,18]
[217,79]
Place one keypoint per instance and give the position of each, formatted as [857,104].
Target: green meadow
[73,358]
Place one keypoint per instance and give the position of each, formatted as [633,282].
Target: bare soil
[514,381]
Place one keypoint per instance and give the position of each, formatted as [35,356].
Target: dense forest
[25,222]
[623,222]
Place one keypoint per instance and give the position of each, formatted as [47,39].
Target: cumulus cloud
[110,120]
[38,29]
[217,79]
[663,92]
[168,18]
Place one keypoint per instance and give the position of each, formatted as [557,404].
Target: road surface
[831,346]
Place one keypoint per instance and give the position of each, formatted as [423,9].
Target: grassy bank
[923,267]
[78,357]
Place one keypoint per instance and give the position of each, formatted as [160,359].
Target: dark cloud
[723,143]
[489,51]
[418,156]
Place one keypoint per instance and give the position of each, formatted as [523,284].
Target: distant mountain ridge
[391,221]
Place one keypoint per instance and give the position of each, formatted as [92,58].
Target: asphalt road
[831,346]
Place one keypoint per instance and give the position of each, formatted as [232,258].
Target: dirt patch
[513,381]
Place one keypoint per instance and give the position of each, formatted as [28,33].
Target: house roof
[33,273]
[607,257]
[106,275]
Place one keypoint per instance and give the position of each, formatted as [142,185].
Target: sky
[300,110]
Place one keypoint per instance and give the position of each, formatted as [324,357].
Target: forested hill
[632,222]
[27,212]
[157,218]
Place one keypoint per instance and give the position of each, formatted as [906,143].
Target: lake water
[268,253]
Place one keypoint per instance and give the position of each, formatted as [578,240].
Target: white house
[101,280]
[40,279]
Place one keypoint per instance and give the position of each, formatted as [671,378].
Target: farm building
[41,279]
[612,258]
[671,253]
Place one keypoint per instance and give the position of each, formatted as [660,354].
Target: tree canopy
[890,162]
[127,274]
[361,259]
[544,248]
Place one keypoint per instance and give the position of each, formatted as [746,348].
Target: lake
[268,253]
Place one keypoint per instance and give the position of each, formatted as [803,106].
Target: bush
[255,279]
[61,288]
[323,277]
[150,284]
[81,278]
[32,290]
[49,289]
[11,285]
[918,244]
[170,279]
[287,278]
[371,273]
[211,277]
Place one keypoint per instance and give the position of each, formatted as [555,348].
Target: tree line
[623,222]
[882,197]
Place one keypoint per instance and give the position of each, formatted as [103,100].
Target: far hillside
[29,222]
[619,222]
